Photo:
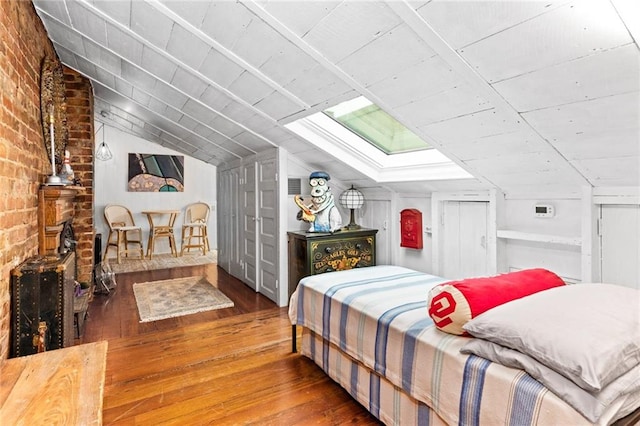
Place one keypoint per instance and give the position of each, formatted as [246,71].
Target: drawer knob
[358,246]
[328,249]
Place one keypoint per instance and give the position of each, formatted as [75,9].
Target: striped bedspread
[378,317]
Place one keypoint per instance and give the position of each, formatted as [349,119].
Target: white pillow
[589,333]
[614,401]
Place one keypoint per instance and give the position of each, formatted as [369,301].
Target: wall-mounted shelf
[542,238]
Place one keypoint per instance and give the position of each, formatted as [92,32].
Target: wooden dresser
[313,253]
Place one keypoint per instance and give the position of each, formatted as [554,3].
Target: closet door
[377,215]
[228,221]
[234,243]
[224,218]
[620,244]
[465,253]
[249,225]
[268,250]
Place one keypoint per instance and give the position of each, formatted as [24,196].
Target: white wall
[564,260]
[110,186]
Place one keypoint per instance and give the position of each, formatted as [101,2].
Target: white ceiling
[527,96]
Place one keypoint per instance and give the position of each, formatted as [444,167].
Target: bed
[369,330]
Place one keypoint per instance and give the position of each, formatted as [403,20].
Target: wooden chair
[194,228]
[122,232]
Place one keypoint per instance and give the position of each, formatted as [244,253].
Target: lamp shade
[103,153]
[351,198]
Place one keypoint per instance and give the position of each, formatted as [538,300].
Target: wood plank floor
[229,366]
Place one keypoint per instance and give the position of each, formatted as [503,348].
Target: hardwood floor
[229,366]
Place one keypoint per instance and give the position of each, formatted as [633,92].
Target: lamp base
[351,227]
[352,222]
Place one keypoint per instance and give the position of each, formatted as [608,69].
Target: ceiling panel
[194,55]
[88,23]
[119,11]
[219,68]
[161,66]
[430,76]
[462,23]
[350,26]
[300,17]
[124,44]
[150,24]
[602,74]
[444,105]
[583,28]
[387,55]
[577,129]
[225,22]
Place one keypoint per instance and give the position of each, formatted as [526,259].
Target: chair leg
[141,248]
[118,246]
[106,250]
[206,239]
[150,244]
[182,243]
[172,245]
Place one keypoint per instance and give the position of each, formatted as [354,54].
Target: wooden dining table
[161,224]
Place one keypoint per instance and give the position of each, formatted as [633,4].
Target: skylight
[375,126]
[363,136]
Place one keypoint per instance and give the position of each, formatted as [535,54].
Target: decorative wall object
[53,110]
[156,173]
[411,228]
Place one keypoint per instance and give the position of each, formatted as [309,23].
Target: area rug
[162,261]
[158,300]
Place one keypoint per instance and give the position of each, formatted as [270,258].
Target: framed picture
[156,173]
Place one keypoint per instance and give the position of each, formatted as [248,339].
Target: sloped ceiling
[527,96]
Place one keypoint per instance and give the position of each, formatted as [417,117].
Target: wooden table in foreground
[63,387]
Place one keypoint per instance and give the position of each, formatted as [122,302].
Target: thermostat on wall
[543,210]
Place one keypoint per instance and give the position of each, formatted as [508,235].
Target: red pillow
[453,303]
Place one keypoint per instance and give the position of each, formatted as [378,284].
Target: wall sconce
[352,199]
[103,153]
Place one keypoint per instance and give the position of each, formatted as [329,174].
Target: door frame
[437,222]
[592,200]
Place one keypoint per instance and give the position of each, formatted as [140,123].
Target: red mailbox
[411,228]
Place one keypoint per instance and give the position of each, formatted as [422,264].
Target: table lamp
[352,199]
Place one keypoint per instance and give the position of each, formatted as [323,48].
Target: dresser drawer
[342,254]
[317,253]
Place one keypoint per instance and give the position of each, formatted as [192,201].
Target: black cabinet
[42,296]
[313,253]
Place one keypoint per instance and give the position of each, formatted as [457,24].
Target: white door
[464,239]
[267,269]
[235,258]
[377,216]
[224,219]
[620,244]
[249,216]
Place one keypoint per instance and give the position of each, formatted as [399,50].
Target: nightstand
[313,253]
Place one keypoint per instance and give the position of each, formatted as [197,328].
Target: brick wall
[81,147]
[23,157]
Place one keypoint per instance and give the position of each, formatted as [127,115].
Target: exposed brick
[24,162]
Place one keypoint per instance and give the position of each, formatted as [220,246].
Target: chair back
[117,215]
[197,213]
